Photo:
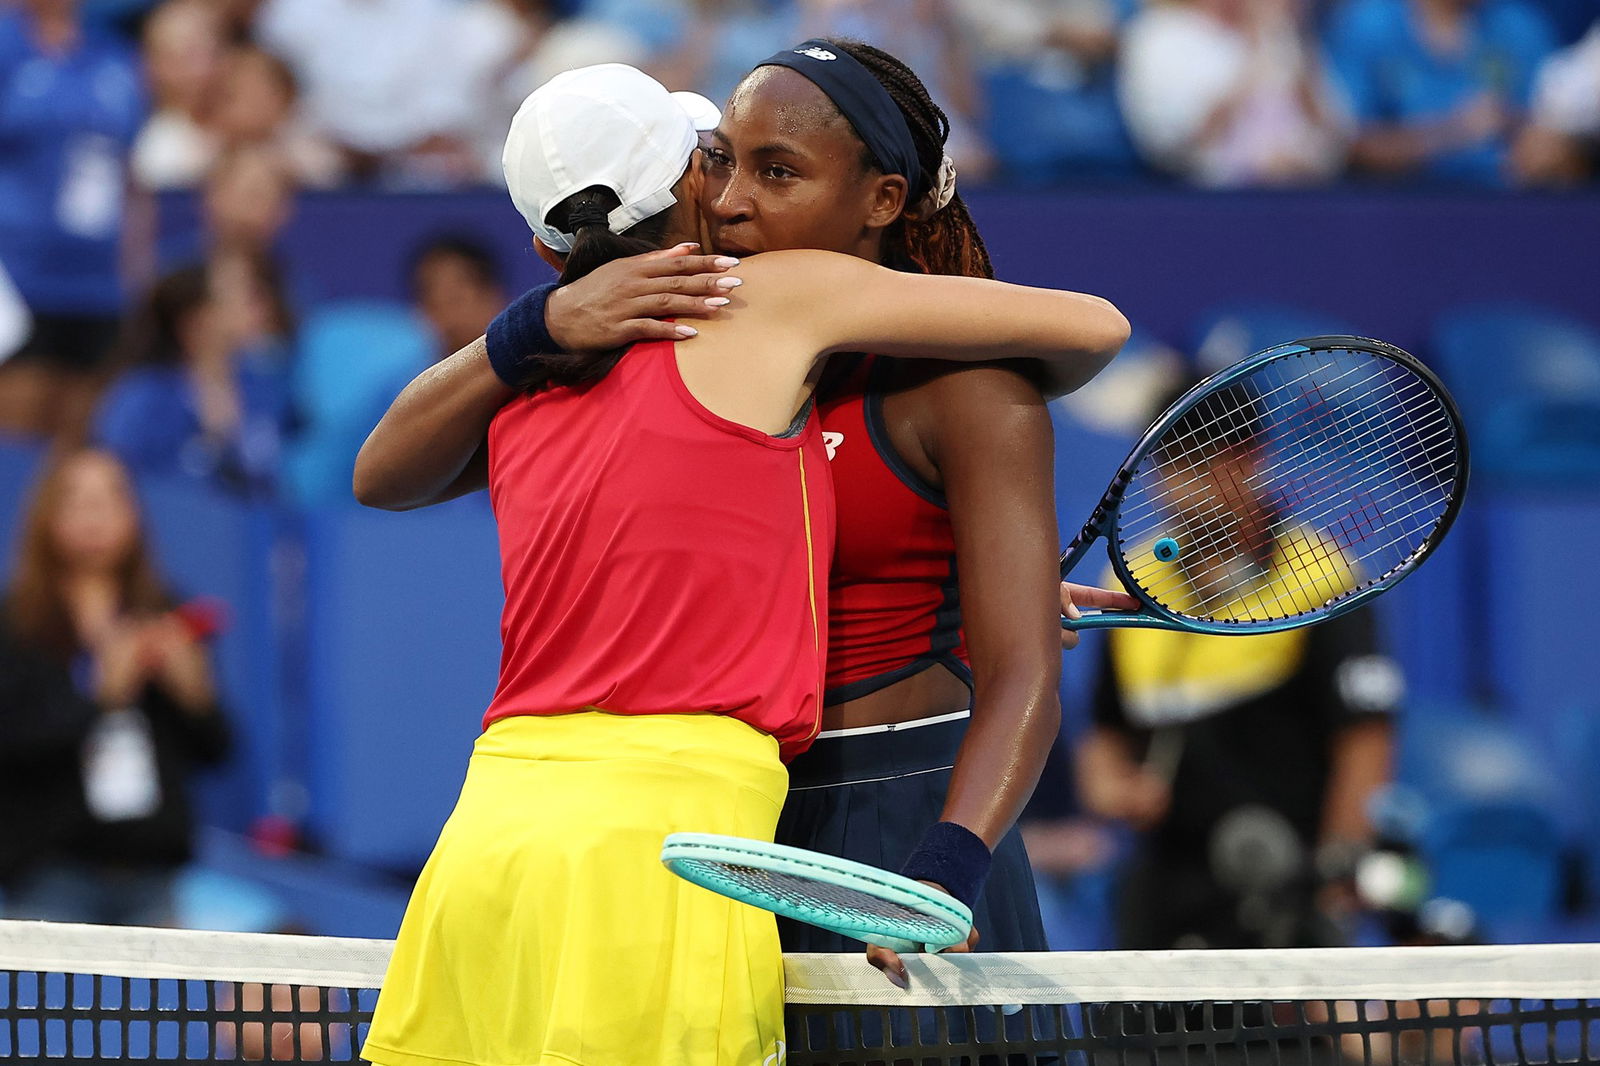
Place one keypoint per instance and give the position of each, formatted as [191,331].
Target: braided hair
[946,242]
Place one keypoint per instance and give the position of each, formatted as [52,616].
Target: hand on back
[626,301]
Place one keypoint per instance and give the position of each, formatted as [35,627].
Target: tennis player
[665,518]
[944,650]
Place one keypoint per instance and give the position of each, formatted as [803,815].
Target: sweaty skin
[777,176]
[785,171]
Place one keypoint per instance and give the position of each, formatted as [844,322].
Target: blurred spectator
[502,37]
[924,34]
[247,200]
[106,702]
[457,286]
[238,19]
[1558,146]
[207,394]
[70,106]
[1047,70]
[257,104]
[1246,763]
[1438,87]
[1229,93]
[390,81]
[704,45]
[183,57]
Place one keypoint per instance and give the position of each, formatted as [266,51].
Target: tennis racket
[1285,490]
[848,898]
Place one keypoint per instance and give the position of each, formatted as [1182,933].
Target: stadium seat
[355,357]
[1528,382]
[1503,859]
[1229,332]
[1043,134]
[402,644]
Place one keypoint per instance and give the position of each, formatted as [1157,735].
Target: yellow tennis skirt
[544,929]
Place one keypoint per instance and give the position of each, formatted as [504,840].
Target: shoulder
[148,382]
[982,404]
[801,263]
[139,394]
[982,387]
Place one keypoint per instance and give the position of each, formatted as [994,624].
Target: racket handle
[1093,619]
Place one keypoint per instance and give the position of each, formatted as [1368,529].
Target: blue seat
[1528,383]
[1229,332]
[355,357]
[1503,859]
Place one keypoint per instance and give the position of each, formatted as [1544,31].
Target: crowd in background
[1216,92]
[191,362]
[105,103]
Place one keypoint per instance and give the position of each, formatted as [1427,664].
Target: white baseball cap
[611,125]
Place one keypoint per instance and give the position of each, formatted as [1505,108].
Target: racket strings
[1197,446]
[810,899]
[1391,501]
[1339,530]
[1386,503]
[1347,452]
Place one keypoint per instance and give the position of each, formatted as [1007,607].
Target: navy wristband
[953,856]
[518,332]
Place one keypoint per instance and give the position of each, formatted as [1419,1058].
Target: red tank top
[658,558]
[893,609]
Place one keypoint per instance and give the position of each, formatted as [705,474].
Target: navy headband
[865,104]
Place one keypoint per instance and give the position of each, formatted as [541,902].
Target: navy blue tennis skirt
[870,797]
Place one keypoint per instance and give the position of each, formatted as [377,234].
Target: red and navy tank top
[657,558]
[893,609]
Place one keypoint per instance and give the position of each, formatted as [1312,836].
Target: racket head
[1352,447]
[845,897]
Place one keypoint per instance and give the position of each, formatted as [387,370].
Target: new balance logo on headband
[815,53]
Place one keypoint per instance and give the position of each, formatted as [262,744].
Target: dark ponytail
[947,241]
[585,215]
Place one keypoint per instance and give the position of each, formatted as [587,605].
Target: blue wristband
[518,332]
[953,856]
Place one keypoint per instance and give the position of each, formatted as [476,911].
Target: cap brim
[702,112]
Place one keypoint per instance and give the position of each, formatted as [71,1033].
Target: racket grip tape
[953,857]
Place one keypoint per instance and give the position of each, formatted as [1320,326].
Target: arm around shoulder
[847,304]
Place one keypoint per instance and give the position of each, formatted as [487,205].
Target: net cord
[1543,971]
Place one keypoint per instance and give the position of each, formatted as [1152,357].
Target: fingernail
[1073,612]
[726,261]
[687,331]
[901,978]
[729,283]
[717,301]
[689,244]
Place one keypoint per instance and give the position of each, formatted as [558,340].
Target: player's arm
[431,445]
[994,448]
[841,303]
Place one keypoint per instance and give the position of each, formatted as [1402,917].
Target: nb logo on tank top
[832,442]
[778,1057]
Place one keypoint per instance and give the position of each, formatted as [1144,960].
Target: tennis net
[89,994]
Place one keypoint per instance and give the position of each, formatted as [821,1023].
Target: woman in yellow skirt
[666,522]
